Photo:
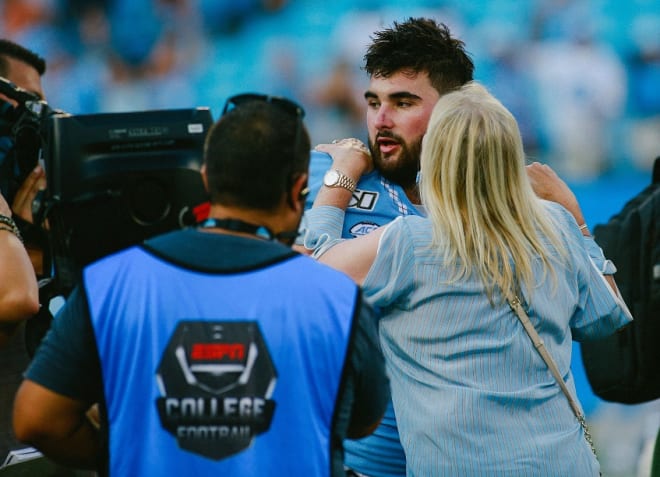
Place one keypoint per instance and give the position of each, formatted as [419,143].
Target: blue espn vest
[220,374]
[375,202]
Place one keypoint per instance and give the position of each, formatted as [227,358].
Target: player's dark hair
[420,45]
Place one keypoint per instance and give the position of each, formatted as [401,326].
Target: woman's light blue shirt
[471,394]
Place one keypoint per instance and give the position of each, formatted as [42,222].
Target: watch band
[346,182]
[342,181]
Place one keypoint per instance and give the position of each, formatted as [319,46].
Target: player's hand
[351,156]
[549,186]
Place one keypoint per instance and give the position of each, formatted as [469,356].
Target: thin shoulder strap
[517,308]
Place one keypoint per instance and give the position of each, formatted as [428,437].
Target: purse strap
[517,308]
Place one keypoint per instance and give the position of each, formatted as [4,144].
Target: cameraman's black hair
[420,45]
[13,50]
[253,154]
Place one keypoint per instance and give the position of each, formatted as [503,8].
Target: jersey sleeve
[370,385]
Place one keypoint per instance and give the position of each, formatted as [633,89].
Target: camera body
[117,179]
[22,135]
[113,180]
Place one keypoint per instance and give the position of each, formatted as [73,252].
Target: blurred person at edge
[24,68]
[471,394]
[410,66]
[238,355]
[19,295]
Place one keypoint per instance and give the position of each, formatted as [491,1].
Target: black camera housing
[113,180]
[22,130]
[116,179]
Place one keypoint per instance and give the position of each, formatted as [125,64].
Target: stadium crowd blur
[581,76]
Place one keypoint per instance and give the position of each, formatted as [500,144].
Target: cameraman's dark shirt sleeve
[371,390]
[67,361]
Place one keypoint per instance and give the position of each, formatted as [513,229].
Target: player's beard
[400,170]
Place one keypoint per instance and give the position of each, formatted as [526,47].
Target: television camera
[113,180]
[20,135]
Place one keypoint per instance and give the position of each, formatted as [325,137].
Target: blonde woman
[471,395]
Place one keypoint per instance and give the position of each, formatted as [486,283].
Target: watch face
[331,178]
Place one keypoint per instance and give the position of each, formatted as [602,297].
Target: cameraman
[19,295]
[23,68]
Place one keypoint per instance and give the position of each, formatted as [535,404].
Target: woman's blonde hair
[478,196]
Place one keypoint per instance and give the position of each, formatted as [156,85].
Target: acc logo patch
[216,379]
[362,228]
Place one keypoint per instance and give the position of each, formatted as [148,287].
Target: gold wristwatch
[336,178]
